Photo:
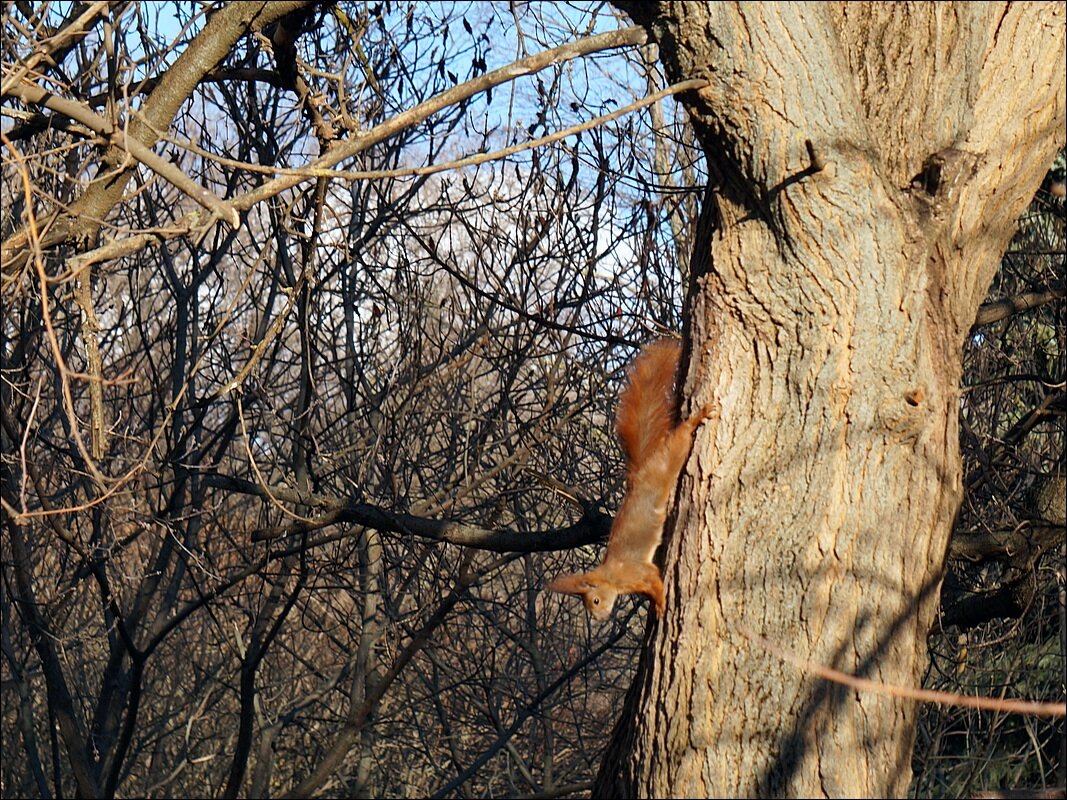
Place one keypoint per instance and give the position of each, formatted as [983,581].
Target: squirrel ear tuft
[570,584]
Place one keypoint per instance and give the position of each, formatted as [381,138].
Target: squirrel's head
[599,601]
[598,596]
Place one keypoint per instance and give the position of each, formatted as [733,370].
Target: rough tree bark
[869,163]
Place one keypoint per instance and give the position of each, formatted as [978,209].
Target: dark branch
[593,527]
[1001,309]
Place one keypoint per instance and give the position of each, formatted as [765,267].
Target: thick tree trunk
[869,163]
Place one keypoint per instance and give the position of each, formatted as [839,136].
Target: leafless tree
[314,315]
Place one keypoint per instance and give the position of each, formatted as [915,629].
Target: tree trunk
[868,164]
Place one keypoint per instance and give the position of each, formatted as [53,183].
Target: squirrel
[656,448]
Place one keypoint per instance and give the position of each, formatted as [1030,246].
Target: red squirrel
[656,449]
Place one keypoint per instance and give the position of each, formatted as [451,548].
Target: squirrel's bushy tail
[646,405]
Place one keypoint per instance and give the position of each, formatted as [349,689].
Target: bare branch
[592,528]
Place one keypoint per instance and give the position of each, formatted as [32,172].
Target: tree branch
[322,167]
[593,527]
[221,32]
[1009,306]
